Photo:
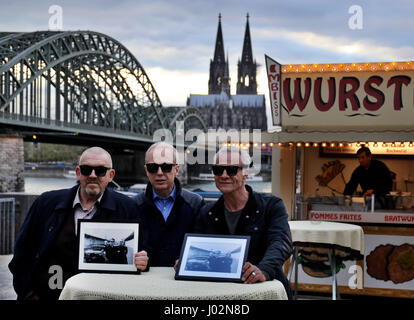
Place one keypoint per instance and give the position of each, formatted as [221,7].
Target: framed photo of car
[106,246]
[212,257]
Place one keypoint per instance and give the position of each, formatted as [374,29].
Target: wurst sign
[346,96]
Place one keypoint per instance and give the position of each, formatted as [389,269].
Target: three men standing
[165,211]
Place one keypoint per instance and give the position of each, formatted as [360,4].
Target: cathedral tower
[219,67]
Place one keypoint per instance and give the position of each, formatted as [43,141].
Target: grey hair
[244,156]
[97,150]
[163,144]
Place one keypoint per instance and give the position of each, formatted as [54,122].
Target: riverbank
[47,170]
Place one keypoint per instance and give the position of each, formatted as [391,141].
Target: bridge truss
[81,80]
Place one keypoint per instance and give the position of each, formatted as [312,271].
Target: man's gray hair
[97,150]
[244,156]
[162,144]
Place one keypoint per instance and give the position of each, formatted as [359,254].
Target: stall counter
[387,268]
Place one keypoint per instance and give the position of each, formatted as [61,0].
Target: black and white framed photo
[212,257]
[107,246]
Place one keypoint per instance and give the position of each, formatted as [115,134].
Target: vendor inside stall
[373,176]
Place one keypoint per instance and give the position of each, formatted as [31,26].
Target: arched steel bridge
[81,81]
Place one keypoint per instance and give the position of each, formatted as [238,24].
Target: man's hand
[141,260]
[252,274]
[176,265]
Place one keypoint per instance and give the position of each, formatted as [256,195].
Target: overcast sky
[174,39]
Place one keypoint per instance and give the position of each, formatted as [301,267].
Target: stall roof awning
[339,136]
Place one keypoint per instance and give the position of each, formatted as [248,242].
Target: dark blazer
[164,238]
[43,222]
[265,220]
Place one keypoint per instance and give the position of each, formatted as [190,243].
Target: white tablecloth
[159,284]
[330,233]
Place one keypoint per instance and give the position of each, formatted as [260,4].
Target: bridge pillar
[11,163]
[129,168]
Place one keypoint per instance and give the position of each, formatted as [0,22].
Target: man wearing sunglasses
[168,210]
[48,236]
[241,211]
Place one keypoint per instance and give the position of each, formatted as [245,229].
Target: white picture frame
[106,246]
[212,257]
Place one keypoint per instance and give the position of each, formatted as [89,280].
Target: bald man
[48,236]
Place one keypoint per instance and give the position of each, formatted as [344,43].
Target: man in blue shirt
[164,204]
[168,210]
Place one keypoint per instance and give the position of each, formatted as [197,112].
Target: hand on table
[252,274]
[176,265]
[141,260]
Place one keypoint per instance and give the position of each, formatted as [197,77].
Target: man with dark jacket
[48,238]
[241,211]
[168,210]
[373,176]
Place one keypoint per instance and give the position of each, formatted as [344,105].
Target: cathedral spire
[219,50]
[247,53]
[219,79]
[246,68]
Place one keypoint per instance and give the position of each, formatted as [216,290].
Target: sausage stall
[322,114]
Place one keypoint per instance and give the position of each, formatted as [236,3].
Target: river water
[37,185]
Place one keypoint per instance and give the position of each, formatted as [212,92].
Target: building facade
[221,110]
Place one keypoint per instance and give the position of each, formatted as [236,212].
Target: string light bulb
[349,67]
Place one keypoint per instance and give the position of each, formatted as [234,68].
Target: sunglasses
[231,170]
[165,167]
[100,171]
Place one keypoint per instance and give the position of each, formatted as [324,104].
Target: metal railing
[7,225]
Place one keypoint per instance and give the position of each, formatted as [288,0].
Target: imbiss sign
[342,96]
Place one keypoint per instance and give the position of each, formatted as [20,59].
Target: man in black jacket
[373,176]
[168,210]
[241,211]
[47,237]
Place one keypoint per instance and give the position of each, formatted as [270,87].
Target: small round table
[347,238]
[159,284]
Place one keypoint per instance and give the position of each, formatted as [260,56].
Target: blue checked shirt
[165,205]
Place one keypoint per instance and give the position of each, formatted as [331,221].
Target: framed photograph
[212,257]
[107,246]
